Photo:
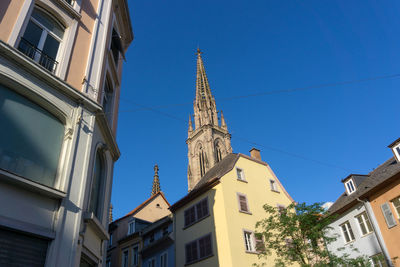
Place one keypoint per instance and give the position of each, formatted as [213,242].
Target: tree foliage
[298,233]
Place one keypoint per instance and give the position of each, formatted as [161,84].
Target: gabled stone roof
[373,180]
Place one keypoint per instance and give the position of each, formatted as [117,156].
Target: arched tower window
[97,188]
[202,161]
[218,151]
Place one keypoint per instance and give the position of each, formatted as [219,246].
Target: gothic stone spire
[156,182]
[209,141]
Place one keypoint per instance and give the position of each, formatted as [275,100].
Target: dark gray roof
[219,170]
[375,178]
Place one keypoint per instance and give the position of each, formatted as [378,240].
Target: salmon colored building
[385,202]
[60,75]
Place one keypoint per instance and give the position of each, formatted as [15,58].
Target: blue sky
[312,138]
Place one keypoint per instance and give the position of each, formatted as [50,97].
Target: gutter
[376,229]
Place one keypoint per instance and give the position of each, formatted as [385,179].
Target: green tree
[298,233]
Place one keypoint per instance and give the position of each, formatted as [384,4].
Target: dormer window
[395,146]
[350,188]
[396,152]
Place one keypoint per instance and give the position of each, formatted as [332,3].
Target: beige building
[126,242]
[60,76]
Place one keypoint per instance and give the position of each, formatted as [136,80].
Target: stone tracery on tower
[209,141]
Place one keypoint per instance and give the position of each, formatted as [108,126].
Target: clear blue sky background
[311,138]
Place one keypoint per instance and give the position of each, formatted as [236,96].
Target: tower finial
[156,182]
[198,51]
[223,123]
[190,130]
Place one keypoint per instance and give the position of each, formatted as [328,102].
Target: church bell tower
[209,141]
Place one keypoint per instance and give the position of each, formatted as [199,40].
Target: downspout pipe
[377,231]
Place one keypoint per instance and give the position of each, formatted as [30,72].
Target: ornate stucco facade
[60,75]
[209,142]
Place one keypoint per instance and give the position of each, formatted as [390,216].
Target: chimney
[255,153]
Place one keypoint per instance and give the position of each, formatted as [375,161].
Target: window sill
[246,212]
[252,252]
[196,261]
[350,242]
[187,226]
[20,181]
[96,225]
[243,181]
[276,191]
[367,234]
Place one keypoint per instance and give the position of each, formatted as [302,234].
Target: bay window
[30,140]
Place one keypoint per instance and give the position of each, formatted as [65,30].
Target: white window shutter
[387,213]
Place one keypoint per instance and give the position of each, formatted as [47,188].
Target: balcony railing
[37,55]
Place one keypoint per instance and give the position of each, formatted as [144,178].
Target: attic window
[350,188]
[396,151]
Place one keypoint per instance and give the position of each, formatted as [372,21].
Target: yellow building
[214,223]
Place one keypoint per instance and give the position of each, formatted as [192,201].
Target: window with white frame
[240,174]
[198,249]
[164,259]
[42,39]
[378,260]
[35,158]
[135,255]
[97,187]
[396,205]
[125,258]
[249,241]
[364,223]
[350,188]
[273,185]
[196,212]
[131,227]
[243,203]
[347,232]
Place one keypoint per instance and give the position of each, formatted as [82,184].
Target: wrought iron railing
[37,55]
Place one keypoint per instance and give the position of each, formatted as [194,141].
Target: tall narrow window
[116,46]
[249,241]
[350,187]
[387,213]
[243,205]
[240,174]
[96,194]
[135,255]
[218,152]
[347,232]
[198,249]
[131,227]
[108,101]
[202,161]
[164,260]
[125,258]
[30,138]
[396,205]
[364,223]
[273,185]
[41,39]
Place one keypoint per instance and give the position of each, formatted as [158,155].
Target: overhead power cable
[273,92]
